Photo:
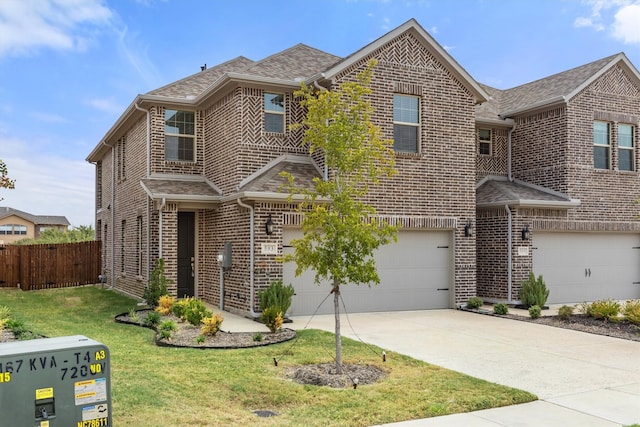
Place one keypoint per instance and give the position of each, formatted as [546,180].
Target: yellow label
[44,393]
[44,423]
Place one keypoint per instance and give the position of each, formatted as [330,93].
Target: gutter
[509,255]
[252,254]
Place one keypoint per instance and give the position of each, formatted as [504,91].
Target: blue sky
[69,68]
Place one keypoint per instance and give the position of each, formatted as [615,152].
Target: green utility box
[55,382]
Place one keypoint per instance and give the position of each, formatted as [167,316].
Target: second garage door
[415,274]
[580,267]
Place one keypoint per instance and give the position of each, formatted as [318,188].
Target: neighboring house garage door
[415,274]
[580,267]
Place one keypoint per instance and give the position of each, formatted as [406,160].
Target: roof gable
[422,37]
[35,219]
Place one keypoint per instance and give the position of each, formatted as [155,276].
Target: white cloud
[626,26]
[48,117]
[48,184]
[623,25]
[26,26]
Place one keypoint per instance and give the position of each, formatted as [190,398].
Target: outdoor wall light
[468,229]
[526,233]
[268,226]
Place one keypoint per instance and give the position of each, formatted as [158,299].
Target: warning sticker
[91,391]
[94,412]
[44,393]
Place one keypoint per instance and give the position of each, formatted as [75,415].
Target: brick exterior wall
[433,190]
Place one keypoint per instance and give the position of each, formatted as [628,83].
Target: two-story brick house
[192,168]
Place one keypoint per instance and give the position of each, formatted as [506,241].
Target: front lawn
[154,386]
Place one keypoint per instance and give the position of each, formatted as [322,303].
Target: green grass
[176,387]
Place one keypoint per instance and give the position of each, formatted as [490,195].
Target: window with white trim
[601,145]
[406,123]
[179,135]
[626,159]
[484,142]
[274,112]
[139,246]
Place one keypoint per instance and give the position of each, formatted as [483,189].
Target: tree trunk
[336,310]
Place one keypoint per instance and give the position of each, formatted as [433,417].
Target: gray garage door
[415,274]
[581,267]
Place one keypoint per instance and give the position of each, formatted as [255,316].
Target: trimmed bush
[474,302]
[604,309]
[535,311]
[196,311]
[534,291]
[276,295]
[211,325]
[631,311]
[165,304]
[565,312]
[272,317]
[501,308]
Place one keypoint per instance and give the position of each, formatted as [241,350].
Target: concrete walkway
[581,379]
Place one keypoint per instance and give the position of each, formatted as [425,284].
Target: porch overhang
[186,190]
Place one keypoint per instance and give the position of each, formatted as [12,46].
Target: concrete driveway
[581,379]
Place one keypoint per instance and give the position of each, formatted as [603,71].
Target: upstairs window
[179,135]
[484,142]
[601,145]
[406,123]
[626,158]
[274,112]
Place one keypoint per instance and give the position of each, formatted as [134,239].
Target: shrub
[632,311]
[157,286]
[152,319]
[272,317]
[604,309]
[167,328]
[196,311]
[19,330]
[211,325]
[165,304]
[258,337]
[474,302]
[565,312]
[180,308]
[501,308]
[276,295]
[133,315]
[5,315]
[200,339]
[534,291]
[535,311]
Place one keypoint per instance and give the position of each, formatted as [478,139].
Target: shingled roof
[559,87]
[495,191]
[6,211]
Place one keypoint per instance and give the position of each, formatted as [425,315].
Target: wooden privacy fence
[61,265]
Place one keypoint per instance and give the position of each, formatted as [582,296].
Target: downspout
[252,238]
[509,174]
[509,253]
[510,224]
[164,202]
[113,209]
[148,173]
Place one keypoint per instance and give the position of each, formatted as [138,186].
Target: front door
[186,254]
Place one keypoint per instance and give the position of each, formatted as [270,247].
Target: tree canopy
[5,181]
[341,231]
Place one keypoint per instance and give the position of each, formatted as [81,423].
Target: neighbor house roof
[498,191]
[35,219]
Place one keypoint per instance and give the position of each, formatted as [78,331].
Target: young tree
[341,236]
[5,182]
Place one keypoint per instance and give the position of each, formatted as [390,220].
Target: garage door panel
[413,274]
[581,267]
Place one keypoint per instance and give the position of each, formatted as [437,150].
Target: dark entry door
[186,253]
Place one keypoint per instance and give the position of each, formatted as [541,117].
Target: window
[17,229]
[122,157]
[179,135]
[123,244]
[6,229]
[20,229]
[406,123]
[625,147]
[601,145]
[274,112]
[484,141]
